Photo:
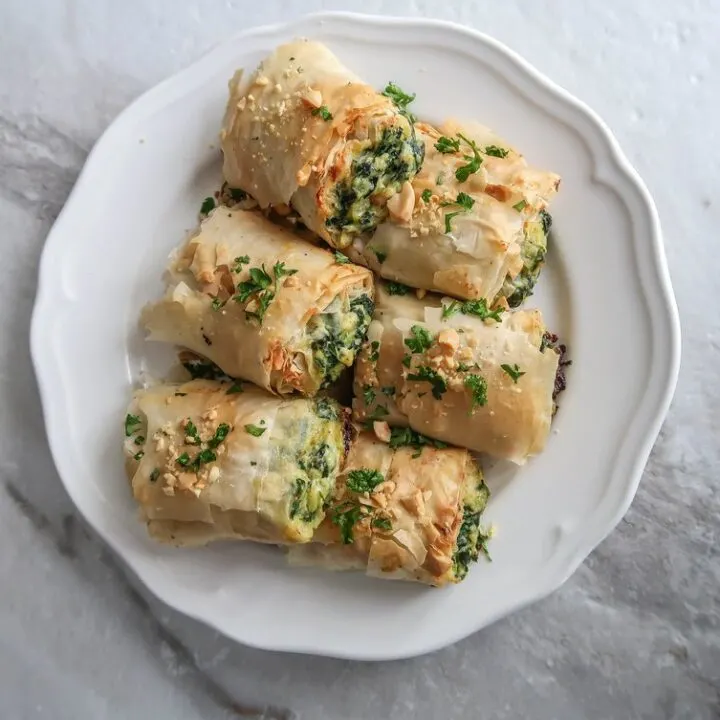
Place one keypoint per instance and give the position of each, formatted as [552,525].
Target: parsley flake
[426,195]
[235,388]
[520,206]
[345,516]
[374,350]
[478,389]
[474,161]
[395,288]
[208,205]
[220,434]
[447,145]
[496,151]
[341,259]
[513,371]
[131,421]
[368,395]
[477,308]
[381,522]
[238,263]
[427,374]
[380,255]
[323,112]
[254,430]
[400,98]
[420,341]
[406,437]
[364,480]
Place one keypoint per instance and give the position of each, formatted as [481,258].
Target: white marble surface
[634,634]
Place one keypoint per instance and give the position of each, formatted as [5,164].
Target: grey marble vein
[635,633]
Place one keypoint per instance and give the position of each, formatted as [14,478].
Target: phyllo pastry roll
[402,513]
[475,225]
[263,305]
[460,373]
[211,461]
[303,130]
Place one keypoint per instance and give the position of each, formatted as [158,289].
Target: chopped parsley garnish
[395,288]
[139,455]
[340,258]
[420,341]
[368,395]
[388,390]
[513,371]
[140,439]
[380,255]
[379,412]
[217,303]
[183,459]
[381,522]
[220,434]
[254,430]
[374,350]
[203,457]
[155,474]
[448,220]
[192,432]
[238,263]
[131,421]
[400,98]
[464,367]
[447,145]
[407,360]
[520,206]
[478,388]
[364,480]
[208,205]
[406,437]
[496,151]
[426,195]
[235,388]
[478,308]
[464,201]
[427,374]
[323,112]
[345,516]
[258,289]
[474,161]
[237,194]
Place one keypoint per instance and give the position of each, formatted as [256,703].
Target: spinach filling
[377,172]
[471,540]
[336,335]
[533,251]
[316,463]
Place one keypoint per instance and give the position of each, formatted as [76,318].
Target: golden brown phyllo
[304,131]
[207,462]
[402,513]
[475,224]
[458,372]
[263,305]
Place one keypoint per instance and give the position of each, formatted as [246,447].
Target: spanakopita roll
[475,225]
[402,513]
[263,305]
[460,373]
[211,461]
[303,130]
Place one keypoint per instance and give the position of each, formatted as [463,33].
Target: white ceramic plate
[605,289]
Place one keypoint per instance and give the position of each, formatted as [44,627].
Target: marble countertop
[635,633]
